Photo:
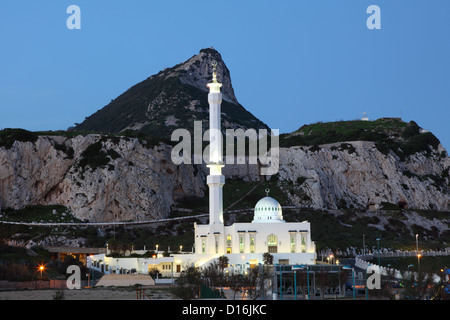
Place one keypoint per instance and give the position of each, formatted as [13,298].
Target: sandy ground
[86,294]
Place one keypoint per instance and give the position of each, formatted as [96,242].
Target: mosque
[243,243]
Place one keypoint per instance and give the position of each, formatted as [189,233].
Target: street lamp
[281,283]
[364,245]
[353,276]
[418,261]
[294,270]
[307,280]
[379,253]
[41,268]
[417,252]
[417,242]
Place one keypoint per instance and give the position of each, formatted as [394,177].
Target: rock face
[110,178]
[357,175]
[173,98]
[131,181]
[103,178]
[197,72]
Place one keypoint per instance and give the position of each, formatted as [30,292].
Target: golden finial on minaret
[214,65]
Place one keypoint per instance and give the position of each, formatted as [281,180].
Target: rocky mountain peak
[198,72]
[173,98]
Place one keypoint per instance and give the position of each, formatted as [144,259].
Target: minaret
[215,179]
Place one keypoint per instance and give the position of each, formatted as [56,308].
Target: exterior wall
[245,243]
[253,238]
[165,265]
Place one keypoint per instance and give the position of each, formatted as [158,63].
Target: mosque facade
[244,244]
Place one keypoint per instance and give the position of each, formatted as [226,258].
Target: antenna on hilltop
[365,117]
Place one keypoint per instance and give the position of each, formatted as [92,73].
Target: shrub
[9,136]
[95,157]
[389,206]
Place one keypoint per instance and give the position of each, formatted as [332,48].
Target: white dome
[268,210]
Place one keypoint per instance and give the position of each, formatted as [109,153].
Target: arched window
[272,243]
[228,243]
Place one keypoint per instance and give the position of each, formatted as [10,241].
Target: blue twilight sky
[291,62]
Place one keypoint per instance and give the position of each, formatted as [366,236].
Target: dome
[268,210]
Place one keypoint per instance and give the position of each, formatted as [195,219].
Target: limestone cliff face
[110,179]
[197,73]
[356,174]
[135,182]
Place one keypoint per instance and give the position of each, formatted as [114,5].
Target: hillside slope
[173,98]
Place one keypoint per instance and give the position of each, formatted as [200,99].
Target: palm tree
[268,258]
[223,262]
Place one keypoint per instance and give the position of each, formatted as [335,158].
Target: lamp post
[331,258]
[417,243]
[353,276]
[418,262]
[417,252]
[294,270]
[281,284]
[307,280]
[364,245]
[379,253]
[367,289]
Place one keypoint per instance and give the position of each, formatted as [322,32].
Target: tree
[236,283]
[212,274]
[188,284]
[223,262]
[254,282]
[268,258]
[419,285]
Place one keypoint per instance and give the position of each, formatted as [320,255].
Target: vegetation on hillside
[153,100]
[389,134]
[9,136]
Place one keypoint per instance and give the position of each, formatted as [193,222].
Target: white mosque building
[243,243]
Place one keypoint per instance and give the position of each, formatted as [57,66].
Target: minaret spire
[215,179]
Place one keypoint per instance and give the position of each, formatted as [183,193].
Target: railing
[360,261]
[119,223]
[140,293]
[403,254]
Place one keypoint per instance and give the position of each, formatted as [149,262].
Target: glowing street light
[417,242]
[418,261]
[417,252]
[41,268]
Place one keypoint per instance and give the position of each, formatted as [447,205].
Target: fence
[403,254]
[360,261]
[39,284]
